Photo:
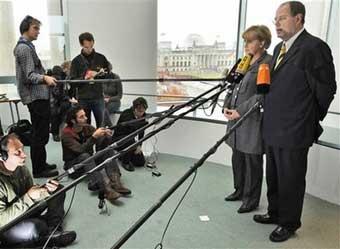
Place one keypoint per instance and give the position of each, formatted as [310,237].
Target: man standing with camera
[90,65]
[34,90]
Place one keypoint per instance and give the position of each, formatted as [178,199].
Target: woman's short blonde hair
[259,32]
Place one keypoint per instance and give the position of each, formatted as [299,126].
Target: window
[317,15]
[201,41]
[50,44]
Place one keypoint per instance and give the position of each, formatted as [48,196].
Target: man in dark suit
[303,86]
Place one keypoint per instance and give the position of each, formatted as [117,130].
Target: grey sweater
[29,73]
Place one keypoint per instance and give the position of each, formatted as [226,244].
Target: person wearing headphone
[18,194]
[129,121]
[78,139]
[34,90]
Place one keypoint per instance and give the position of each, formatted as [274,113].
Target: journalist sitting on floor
[18,194]
[78,139]
[129,121]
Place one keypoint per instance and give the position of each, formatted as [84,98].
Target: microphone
[241,69]
[263,79]
[230,76]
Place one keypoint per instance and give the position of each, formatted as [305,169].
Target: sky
[213,19]
[217,19]
[21,8]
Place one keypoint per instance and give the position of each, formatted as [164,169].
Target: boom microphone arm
[43,203]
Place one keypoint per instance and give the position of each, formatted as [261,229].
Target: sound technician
[246,141]
[18,194]
[34,90]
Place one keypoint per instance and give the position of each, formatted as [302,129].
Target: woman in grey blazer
[246,141]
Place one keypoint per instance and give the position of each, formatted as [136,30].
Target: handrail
[221,122]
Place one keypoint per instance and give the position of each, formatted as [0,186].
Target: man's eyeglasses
[280,19]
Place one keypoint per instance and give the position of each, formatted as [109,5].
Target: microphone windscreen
[243,66]
[231,74]
[263,79]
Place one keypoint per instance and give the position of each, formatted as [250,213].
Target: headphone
[25,24]
[3,148]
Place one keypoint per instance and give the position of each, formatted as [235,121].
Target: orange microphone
[263,79]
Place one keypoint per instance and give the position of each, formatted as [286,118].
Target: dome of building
[196,39]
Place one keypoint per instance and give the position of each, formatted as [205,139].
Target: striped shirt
[29,73]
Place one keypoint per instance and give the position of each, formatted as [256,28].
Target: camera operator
[78,139]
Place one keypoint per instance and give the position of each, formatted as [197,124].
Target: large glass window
[317,15]
[50,44]
[196,39]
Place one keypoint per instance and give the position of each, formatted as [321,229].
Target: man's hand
[50,81]
[90,75]
[226,112]
[100,132]
[73,101]
[35,192]
[231,114]
[108,132]
[51,185]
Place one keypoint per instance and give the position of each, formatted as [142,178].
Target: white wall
[125,31]
[193,139]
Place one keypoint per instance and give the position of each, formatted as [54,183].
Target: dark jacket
[14,199]
[248,137]
[77,140]
[80,64]
[114,90]
[127,129]
[302,88]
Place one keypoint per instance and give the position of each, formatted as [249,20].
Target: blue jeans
[96,106]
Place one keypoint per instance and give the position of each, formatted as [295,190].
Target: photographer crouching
[129,121]
[78,139]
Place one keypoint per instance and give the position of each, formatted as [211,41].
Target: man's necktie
[281,55]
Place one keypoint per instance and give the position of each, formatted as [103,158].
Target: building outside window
[206,40]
